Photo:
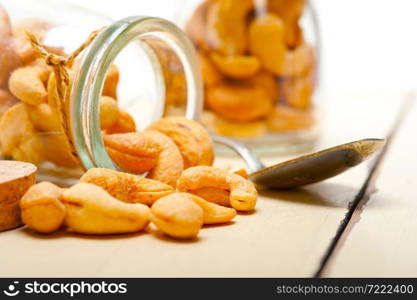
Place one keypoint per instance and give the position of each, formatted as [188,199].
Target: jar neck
[89,80]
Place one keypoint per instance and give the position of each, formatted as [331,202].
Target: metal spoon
[305,169]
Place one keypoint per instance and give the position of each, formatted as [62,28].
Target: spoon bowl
[306,169]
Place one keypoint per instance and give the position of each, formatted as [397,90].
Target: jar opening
[156,38]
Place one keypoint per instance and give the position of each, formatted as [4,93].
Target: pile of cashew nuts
[258,70]
[181,190]
[180,194]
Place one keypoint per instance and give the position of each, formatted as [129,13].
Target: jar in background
[121,81]
[259,60]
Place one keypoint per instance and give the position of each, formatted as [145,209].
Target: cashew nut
[284,119]
[226,26]
[26,84]
[146,151]
[17,135]
[91,210]
[192,139]
[239,66]
[124,124]
[42,209]
[109,112]
[266,41]
[243,194]
[127,187]
[239,102]
[212,213]
[177,216]
[111,82]
[225,127]
[298,91]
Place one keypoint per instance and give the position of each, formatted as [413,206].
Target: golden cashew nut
[225,127]
[267,81]
[111,82]
[26,84]
[212,213]
[285,119]
[290,12]
[43,118]
[226,30]
[239,102]
[299,61]
[192,139]
[41,208]
[18,138]
[146,151]
[124,124]
[211,75]
[170,163]
[177,216]
[133,152]
[243,194]
[6,101]
[238,67]
[266,41]
[109,112]
[91,210]
[213,195]
[298,91]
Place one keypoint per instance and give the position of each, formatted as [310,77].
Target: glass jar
[56,99]
[259,60]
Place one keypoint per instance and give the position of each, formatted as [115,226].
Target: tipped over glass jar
[260,61]
[62,87]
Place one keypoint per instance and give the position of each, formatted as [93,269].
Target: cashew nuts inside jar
[70,77]
[260,65]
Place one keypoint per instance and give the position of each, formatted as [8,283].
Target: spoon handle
[253,162]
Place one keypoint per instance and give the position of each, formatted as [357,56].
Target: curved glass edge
[89,81]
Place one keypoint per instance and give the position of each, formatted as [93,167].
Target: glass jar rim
[89,80]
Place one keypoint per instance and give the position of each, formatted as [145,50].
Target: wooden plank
[383,237]
[287,235]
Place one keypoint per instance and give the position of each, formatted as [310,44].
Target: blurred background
[367,61]
[368,45]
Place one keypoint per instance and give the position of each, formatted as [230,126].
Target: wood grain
[383,242]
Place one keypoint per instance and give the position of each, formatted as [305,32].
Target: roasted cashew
[239,102]
[127,187]
[91,210]
[177,216]
[243,194]
[192,139]
[284,118]
[42,209]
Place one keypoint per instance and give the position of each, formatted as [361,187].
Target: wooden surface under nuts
[291,231]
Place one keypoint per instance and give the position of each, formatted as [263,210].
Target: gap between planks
[367,189]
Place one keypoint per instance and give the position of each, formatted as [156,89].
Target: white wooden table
[361,223]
